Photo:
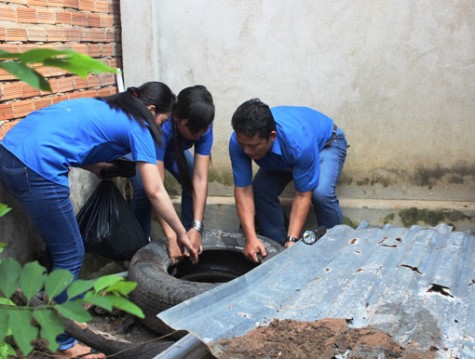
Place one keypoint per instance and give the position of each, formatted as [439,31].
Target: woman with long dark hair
[190,125]
[36,154]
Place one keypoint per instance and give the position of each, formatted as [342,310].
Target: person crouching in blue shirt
[287,143]
[190,125]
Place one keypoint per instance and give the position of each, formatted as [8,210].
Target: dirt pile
[326,338]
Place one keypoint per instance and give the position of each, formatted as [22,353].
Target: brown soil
[326,338]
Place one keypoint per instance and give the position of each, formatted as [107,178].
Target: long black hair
[194,104]
[135,100]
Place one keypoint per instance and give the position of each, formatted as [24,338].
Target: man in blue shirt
[287,143]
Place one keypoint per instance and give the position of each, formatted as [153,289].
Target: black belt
[332,137]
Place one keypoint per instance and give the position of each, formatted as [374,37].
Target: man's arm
[298,214]
[245,210]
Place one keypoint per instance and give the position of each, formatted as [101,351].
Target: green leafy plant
[24,324]
[19,65]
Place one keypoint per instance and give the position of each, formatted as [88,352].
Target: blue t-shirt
[74,133]
[301,134]
[202,145]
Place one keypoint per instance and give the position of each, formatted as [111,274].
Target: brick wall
[91,27]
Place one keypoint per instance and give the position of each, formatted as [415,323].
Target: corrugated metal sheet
[417,284]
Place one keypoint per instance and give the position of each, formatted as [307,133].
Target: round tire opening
[214,266]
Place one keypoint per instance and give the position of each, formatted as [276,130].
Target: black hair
[194,104]
[135,100]
[253,117]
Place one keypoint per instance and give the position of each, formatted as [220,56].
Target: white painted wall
[398,76]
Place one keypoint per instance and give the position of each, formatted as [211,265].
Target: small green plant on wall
[20,325]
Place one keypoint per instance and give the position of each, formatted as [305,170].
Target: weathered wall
[398,76]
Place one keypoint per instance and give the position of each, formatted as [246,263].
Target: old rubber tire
[160,286]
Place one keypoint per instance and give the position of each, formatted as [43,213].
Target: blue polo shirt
[74,133]
[301,134]
[202,146]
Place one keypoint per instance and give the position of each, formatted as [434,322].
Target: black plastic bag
[122,168]
[108,226]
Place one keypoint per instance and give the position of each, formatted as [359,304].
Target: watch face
[309,237]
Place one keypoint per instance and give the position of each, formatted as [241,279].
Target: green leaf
[32,279]
[40,55]
[8,55]
[3,323]
[79,64]
[104,302]
[26,74]
[9,272]
[51,326]
[23,331]
[4,209]
[79,287]
[6,351]
[106,281]
[123,288]
[74,311]
[57,281]
[127,306]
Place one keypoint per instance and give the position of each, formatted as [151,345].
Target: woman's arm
[200,194]
[163,206]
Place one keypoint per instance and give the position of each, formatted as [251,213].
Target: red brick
[7,13]
[63,84]
[17,89]
[63,17]
[75,94]
[7,127]
[22,108]
[26,14]
[93,81]
[41,102]
[101,6]
[45,17]
[107,21]
[86,5]
[58,3]
[82,48]
[37,2]
[24,2]
[78,19]
[72,35]
[59,98]
[55,34]
[6,111]
[80,83]
[93,20]
[73,4]
[98,35]
[86,35]
[37,34]
[94,50]
[16,34]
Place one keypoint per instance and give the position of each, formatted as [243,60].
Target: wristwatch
[292,239]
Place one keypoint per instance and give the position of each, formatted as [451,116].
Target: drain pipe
[187,345]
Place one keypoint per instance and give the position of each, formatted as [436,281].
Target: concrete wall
[397,76]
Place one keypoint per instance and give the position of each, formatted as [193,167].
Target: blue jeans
[268,186]
[141,205]
[50,210]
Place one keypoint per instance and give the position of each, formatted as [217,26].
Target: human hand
[185,241]
[289,244]
[175,251]
[195,237]
[253,248]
